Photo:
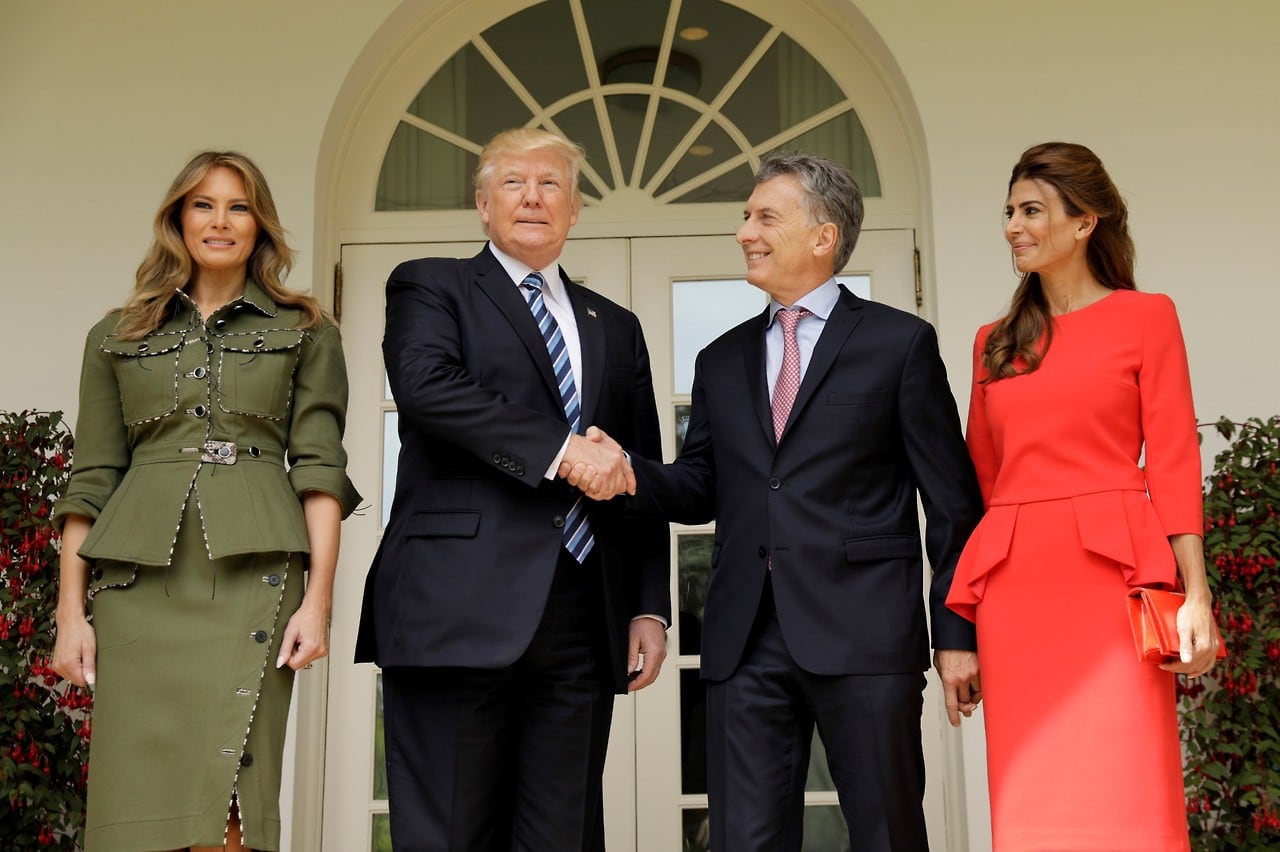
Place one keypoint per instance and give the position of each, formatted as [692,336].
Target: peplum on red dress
[1082,738]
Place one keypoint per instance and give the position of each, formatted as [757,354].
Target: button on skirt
[189,708]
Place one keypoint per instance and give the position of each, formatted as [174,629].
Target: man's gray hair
[830,194]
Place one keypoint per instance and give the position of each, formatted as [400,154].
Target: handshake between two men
[596,464]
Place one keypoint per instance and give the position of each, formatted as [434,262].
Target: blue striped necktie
[578,539]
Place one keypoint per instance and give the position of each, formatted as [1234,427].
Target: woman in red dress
[1083,433]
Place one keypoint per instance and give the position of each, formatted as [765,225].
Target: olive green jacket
[208,411]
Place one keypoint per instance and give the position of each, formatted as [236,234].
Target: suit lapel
[844,318]
[591,338]
[753,360]
[493,280]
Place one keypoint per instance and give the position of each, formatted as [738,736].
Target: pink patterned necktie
[788,384]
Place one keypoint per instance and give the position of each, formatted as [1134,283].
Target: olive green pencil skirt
[189,709]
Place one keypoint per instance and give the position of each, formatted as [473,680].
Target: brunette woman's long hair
[167,266]
[1085,187]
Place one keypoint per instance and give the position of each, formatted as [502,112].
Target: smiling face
[787,255]
[527,205]
[218,227]
[1044,237]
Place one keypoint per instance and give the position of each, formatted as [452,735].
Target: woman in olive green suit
[185,535]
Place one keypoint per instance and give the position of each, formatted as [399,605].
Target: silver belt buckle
[219,452]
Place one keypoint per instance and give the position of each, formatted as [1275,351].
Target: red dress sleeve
[1172,447]
[978,436]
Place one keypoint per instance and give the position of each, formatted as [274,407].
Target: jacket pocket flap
[873,547]
[460,524]
[263,341]
[152,344]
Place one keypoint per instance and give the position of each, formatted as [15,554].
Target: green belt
[211,452]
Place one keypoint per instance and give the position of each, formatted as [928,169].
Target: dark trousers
[495,760]
[760,724]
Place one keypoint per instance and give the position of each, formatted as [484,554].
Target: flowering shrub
[44,727]
[1231,719]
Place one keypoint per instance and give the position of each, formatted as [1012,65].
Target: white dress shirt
[557,301]
[819,302]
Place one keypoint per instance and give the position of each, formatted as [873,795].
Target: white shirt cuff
[555,463]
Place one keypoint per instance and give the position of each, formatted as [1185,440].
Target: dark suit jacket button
[775,483]
[246,759]
[763,551]
[497,458]
[260,636]
[558,522]
[519,470]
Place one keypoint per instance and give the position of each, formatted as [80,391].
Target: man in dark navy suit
[812,429]
[505,608]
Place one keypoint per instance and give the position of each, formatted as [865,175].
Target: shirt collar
[819,301]
[256,298]
[253,296]
[518,271]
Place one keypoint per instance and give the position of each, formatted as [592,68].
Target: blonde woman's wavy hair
[168,267]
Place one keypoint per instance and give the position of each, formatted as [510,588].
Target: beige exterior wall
[1176,97]
[101,103]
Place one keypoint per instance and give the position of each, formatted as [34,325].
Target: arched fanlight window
[673,101]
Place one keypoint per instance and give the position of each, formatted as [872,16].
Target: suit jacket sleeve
[434,389]
[317,459]
[649,578]
[101,454]
[683,491]
[944,474]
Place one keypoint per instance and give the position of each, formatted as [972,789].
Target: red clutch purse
[1153,616]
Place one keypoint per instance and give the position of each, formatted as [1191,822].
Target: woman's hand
[1197,636]
[306,637]
[75,652]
